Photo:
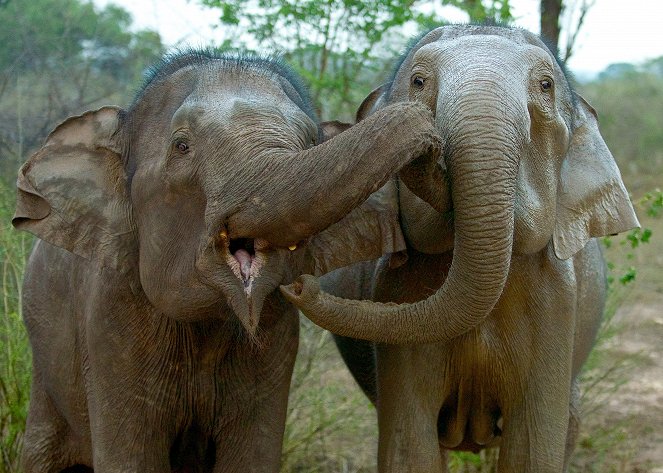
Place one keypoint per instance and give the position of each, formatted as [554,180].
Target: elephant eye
[418,81]
[181,146]
[546,85]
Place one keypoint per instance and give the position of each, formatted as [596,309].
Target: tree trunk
[550,13]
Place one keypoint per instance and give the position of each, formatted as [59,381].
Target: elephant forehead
[244,82]
[472,40]
[515,35]
[226,111]
[480,48]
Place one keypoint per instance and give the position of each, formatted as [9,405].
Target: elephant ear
[592,200]
[332,128]
[73,192]
[372,102]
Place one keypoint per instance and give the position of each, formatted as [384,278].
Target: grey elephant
[477,340]
[159,340]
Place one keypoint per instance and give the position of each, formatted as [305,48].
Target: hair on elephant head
[173,221]
[526,167]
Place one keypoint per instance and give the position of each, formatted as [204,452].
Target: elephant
[159,340]
[477,339]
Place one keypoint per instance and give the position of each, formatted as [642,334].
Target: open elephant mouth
[245,257]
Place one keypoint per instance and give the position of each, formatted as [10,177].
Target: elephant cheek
[536,195]
[534,221]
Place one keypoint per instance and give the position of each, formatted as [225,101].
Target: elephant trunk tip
[302,291]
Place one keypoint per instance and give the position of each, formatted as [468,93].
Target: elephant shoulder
[58,284]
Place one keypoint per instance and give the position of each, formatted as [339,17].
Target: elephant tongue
[245,261]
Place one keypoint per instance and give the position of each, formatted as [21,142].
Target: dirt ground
[638,404]
[635,408]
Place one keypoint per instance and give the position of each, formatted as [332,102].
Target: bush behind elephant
[159,341]
[500,299]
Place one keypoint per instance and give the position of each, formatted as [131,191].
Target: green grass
[15,360]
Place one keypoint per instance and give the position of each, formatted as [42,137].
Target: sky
[614,30]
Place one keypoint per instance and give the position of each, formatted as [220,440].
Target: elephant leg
[249,437]
[359,357]
[574,424]
[252,440]
[534,440]
[47,444]
[410,396]
[142,449]
[536,422]
[132,428]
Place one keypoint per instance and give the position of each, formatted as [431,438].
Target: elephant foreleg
[49,445]
[574,424]
[535,429]
[533,441]
[408,405]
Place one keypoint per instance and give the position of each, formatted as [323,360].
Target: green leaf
[628,276]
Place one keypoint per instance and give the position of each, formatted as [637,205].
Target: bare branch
[572,35]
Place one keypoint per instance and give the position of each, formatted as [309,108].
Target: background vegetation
[61,57]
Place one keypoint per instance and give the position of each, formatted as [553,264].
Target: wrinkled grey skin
[500,299]
[159,341]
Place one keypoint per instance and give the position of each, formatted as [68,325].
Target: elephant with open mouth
[160,342]
[478,339]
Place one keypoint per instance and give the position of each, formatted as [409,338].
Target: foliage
[61,57]
[498,11]
[339,46]
[632,95]
[14,352]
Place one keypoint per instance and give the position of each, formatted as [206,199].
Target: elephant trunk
[307,191]
[483,147]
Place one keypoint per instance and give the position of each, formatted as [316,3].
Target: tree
[554,13]
[551,10]
[61,57]
[495,11]
[339,46]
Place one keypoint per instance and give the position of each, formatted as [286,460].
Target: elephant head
[212,188]
[526,166]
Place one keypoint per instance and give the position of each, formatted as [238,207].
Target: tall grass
[15,360]
[331,426]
